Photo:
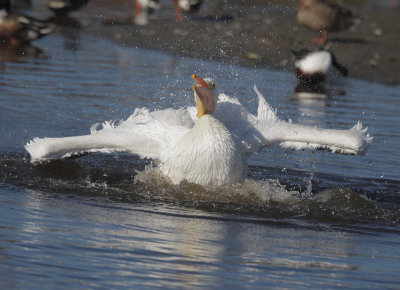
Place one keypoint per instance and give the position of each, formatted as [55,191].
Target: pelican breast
[205,155]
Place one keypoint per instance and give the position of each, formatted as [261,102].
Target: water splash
[131,180]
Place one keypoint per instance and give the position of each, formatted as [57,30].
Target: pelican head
[203,93]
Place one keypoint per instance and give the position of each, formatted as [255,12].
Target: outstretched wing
[151,134]
[145,133]
[252,132]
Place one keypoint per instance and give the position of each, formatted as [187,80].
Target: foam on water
[248,192]
[268,198]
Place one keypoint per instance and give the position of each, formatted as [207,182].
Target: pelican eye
[212,85]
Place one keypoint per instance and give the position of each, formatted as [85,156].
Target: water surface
[302,219]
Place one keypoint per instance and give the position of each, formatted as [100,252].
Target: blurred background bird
[312,67]
[324,16]
[17,29]
[64,7]
[190,6]
[144,8]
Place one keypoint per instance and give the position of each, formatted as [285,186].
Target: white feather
[206,155]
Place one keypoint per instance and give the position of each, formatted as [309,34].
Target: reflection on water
[301,219]
[311,103]
[8,54]
[70,29]
[313,100]
[265,193]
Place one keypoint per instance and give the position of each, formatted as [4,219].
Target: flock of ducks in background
[17,29]
[312,67]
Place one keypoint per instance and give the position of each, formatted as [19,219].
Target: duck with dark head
[18,30]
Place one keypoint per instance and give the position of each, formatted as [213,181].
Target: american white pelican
[209,148]
[17,30]
[312,67]
[323,16]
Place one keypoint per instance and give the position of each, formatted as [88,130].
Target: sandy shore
[257,34]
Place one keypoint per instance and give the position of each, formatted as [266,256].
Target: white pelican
[312,67]
[209,148]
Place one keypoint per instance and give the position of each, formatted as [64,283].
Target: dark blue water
[302,219]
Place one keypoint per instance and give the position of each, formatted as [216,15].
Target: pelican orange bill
[200,81]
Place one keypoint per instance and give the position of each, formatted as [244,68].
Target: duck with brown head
[324,16]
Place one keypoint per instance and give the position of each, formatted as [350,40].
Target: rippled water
[301,218]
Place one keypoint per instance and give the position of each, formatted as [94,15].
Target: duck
[206,145]
[190,6]
[144,8]
[324,16]
[18,30]
[312,67]
[64,7]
